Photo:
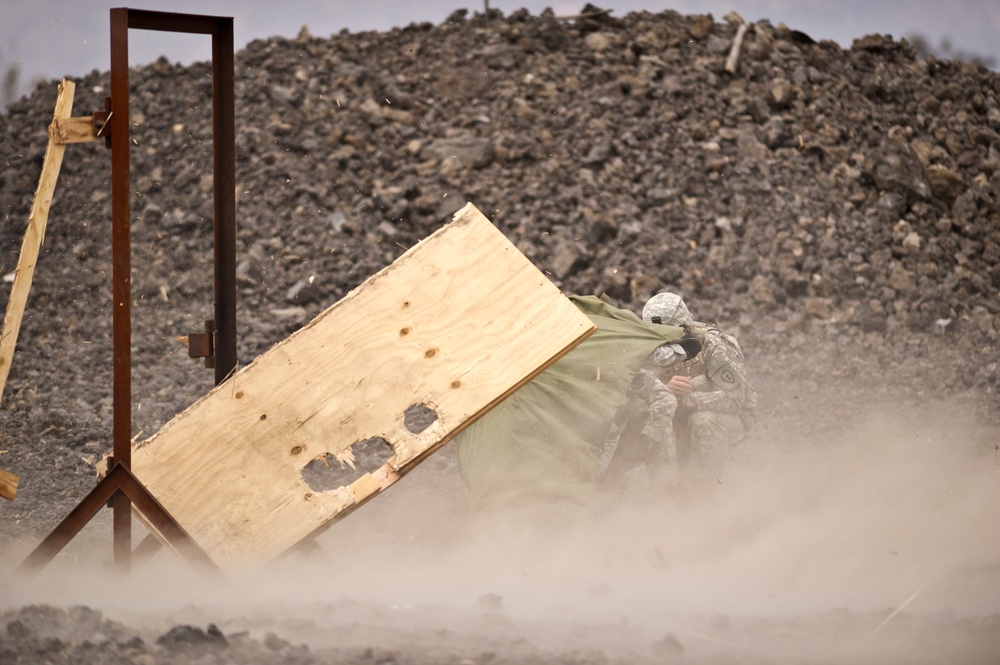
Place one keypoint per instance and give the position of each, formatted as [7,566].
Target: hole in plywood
[329,472]
[419,417]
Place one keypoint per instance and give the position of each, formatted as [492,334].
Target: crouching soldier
[683,416]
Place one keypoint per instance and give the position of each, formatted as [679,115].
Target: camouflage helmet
[668,309]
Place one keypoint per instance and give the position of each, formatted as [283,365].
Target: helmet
[668,309]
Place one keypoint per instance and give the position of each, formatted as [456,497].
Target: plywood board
[456,324]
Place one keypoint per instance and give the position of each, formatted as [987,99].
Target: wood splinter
[8,485]
[74,130]
[734,52]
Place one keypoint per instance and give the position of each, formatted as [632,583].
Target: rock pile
[836,208]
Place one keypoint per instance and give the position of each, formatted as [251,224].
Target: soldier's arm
[665,357]
[725,387]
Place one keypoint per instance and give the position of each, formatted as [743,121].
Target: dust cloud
[874,537]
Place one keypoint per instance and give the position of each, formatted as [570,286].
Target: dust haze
[862,537]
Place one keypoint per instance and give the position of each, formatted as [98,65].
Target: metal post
[224,185]
[122,278]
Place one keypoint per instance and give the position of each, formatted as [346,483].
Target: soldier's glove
[691,345]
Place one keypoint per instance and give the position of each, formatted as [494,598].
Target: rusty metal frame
[119,486]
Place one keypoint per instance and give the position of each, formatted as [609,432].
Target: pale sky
[51,39]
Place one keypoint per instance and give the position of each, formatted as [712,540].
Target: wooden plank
[73,130]
[456,324]
[8,485]
[34,236]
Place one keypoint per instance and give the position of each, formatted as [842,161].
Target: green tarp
[538,449]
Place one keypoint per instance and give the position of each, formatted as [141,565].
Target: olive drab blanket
[539,447]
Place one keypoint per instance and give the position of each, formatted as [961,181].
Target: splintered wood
[8,485]
[34,235]
[455,325]
[73,130]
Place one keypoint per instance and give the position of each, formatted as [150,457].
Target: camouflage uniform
[682,441]
[637,435]
[720,410]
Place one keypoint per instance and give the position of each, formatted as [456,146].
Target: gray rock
[470,151]
[945,183]
[895,168]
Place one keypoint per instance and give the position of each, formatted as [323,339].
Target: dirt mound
[833,208]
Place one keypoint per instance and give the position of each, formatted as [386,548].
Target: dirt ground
[852,527]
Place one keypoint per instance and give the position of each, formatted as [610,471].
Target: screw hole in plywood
[330,472]
[419,417]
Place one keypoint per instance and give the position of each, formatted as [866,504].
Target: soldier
[682,416]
